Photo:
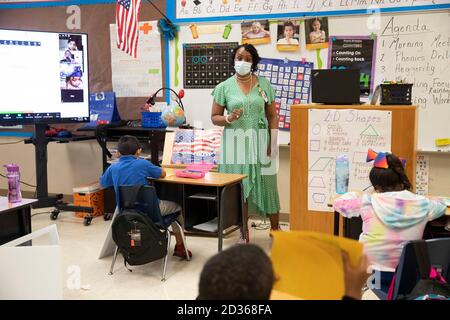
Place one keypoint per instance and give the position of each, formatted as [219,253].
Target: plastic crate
[95,200]
[393,94]
[152,120]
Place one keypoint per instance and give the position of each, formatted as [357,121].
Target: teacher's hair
[250,49]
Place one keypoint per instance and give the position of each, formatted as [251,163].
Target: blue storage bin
[152,120]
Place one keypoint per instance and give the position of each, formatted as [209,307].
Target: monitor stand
[40,143]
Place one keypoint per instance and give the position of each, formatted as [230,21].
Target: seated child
[131,170]
[245,272]
[392,215]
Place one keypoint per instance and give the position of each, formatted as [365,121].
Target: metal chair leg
[113,261]
[166,257]
[184,240]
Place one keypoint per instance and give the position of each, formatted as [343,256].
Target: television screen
[43,78]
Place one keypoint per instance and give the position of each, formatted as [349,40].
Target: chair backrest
[143,199]
[408,275]
[137,230]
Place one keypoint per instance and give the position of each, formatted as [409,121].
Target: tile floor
[81,246]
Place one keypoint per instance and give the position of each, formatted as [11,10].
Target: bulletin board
[411,46]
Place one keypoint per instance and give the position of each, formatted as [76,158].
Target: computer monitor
[44,77]
[334,86]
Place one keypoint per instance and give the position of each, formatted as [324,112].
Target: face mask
[242,67]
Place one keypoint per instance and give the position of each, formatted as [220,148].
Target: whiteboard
[335,132]
[423,27]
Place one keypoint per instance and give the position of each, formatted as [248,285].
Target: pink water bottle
[13,175]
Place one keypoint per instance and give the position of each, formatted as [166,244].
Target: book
[209,226]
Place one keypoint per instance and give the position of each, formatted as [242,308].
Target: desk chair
[145,201]
[407,274]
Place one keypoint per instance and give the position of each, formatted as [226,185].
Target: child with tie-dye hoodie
[392,215]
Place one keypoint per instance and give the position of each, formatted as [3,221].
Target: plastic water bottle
[13,175]
[342,174]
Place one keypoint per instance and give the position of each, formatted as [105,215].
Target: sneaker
[180,252]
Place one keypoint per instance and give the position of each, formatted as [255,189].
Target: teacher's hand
[235,114]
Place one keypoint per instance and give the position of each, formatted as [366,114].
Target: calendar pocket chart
[291,81]
[207,64]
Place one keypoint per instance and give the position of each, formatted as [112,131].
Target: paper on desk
[309,264]
[210,226]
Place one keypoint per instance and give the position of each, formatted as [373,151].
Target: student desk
[15,219]
[217,195]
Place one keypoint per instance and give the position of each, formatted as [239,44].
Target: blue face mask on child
[242,67]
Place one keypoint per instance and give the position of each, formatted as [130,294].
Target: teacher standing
[249,142]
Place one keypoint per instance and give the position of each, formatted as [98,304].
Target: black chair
[408,275]
[146,201]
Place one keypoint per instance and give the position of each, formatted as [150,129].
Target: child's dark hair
[242,272]
[250,49]
[391,179]
[128,145]
[289,24]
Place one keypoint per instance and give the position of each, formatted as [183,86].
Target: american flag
[196,146]
[127,16]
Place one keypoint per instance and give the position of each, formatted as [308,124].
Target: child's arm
[437,208]
[349,204]
[106,179]
[153,171]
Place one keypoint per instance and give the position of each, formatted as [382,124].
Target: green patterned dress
[245,142]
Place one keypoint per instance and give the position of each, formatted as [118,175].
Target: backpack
[138,238]
[431,285]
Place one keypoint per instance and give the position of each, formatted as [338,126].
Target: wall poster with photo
[256,32]
[316,33]
[288,35]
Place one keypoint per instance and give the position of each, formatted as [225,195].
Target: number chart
[291,82]
[207,64]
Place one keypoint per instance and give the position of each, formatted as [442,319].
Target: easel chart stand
[403,143]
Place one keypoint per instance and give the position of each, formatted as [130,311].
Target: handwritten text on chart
[335,132]
[414,51]
[198,9]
